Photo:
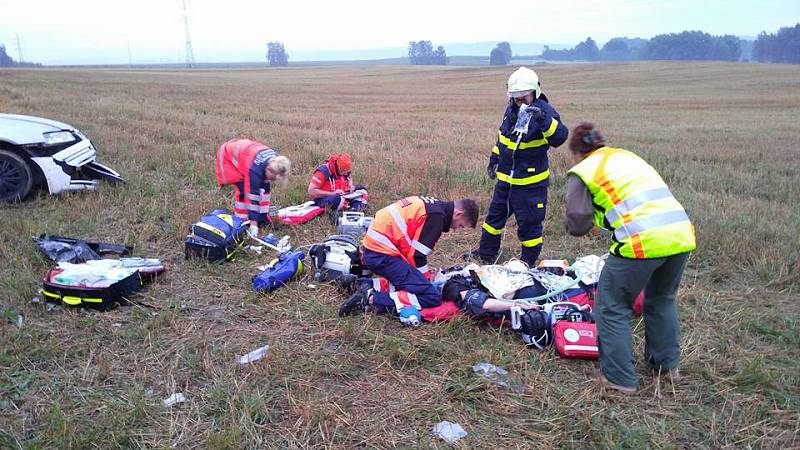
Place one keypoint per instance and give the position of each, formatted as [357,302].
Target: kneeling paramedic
[519,163]
[651,236]
[396,247]
[249,167]
[332,181]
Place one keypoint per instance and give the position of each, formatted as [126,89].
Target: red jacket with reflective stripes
[410,228]
[244,162]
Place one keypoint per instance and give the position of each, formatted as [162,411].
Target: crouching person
[396,247]
[250,167]
[332,187]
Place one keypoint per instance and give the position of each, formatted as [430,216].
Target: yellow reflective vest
[633,203]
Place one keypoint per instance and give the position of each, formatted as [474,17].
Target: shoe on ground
[355,304]
[598,375]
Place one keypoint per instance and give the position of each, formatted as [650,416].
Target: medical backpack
[575,335]
[216,236]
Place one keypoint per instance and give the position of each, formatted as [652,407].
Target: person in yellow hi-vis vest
[617,191]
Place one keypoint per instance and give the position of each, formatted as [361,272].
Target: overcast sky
[100,31]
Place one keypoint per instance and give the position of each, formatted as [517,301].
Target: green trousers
[620,282]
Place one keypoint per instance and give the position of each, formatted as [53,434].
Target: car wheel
[15,177]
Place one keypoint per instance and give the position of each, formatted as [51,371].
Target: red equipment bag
[575,336]
[295,215]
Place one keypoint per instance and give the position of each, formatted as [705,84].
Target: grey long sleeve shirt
[578,219]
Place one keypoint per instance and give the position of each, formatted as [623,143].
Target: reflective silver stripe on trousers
[241,205]
[646,223]
[398,220]
[412,299]
[263,209]
[241,215]
[381,238]
[635,201]
[255,197]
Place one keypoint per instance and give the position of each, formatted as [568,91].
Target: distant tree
[587,50]
[5,60]
[440,56]
[501,54]
[276,54]
[558,55]
[693,45]
[422,53]
[616,49]
[782,47]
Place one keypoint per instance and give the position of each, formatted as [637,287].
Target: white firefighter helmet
[522,82]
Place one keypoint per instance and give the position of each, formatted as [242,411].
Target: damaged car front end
[35,152]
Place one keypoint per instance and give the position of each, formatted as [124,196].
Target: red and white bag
[575,336]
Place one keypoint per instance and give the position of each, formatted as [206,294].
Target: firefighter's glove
[491,169]
[536,113]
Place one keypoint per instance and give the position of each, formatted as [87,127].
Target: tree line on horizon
[780,47]
[8,61]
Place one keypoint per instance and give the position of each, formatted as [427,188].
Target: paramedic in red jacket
[332,181]
[249,167]
[396,247]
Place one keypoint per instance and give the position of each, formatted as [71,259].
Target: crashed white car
[37,152]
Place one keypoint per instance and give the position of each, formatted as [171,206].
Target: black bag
[216,236]
[63,249]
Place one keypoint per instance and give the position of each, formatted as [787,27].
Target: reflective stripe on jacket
[323,178]
[409,228]
[522,159]
[632,201]
[243,160]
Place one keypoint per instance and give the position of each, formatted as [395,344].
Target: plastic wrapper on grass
[449,431]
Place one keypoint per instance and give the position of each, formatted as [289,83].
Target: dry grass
[723,135]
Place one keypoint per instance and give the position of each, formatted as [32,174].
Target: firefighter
[332,181]
[519,163]
[396,247]
[250,167]
[651,236]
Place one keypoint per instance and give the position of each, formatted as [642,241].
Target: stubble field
[724,136]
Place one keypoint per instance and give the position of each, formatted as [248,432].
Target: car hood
[19,129]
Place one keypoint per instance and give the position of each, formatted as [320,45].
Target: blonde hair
[281,167]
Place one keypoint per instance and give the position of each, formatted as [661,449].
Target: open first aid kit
[99,284]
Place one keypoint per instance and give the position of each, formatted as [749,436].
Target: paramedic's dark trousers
[404,278]
[529,206]
[338,203]
[620,282]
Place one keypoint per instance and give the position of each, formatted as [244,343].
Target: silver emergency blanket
[590,267]
[504,281]
[102,272]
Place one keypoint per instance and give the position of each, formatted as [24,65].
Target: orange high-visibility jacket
[243,162]
[409,229]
